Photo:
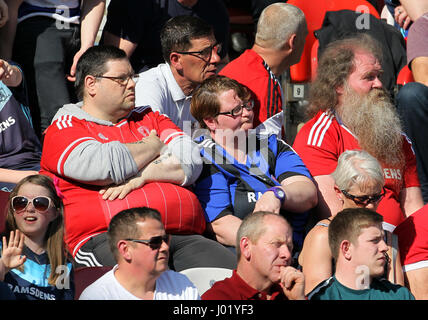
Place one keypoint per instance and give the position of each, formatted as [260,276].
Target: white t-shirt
[170,285]
[158,89]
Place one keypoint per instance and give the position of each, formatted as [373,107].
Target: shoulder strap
[214,156]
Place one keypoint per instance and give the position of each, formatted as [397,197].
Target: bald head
[277,23]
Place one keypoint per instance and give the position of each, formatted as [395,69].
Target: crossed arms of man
[118,167]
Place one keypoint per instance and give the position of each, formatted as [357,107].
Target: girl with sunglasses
[359,182]
[33,256]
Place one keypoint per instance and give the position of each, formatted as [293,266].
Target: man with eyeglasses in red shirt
[108,155]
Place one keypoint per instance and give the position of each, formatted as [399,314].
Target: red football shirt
[250,70]
[86,213]
[413,240]
[321,141]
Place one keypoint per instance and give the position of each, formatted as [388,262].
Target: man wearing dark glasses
[140,246]
[106,156]
[191,53]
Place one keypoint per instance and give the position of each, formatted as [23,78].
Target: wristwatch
[278,192]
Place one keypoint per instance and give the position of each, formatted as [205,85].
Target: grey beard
[374,120]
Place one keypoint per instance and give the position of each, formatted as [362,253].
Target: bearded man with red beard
[351,110]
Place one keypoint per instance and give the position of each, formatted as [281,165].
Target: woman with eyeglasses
[33,257]
[245,171]
[359,182]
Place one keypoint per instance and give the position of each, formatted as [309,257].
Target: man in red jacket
[264,246]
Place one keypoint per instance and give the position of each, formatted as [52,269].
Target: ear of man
[245,245]
[345,249]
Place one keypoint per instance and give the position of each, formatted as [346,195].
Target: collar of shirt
[249,293]
[176,92]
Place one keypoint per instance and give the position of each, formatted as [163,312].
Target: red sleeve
[410,171]
[320,160]
[166,129]
[61,138]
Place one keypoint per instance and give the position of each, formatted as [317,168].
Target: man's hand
[72,76]
[154,141]
[292,283]
[9,74]
[401,17]
[12,253]
[122,190]
[268,202]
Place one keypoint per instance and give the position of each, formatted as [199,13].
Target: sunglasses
[154,242]
[364,200]
[40,203]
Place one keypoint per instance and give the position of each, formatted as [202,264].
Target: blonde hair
[54,237]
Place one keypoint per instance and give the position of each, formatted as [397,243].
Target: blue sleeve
[212,190]
[288,163]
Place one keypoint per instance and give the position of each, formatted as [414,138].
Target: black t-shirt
[140,22]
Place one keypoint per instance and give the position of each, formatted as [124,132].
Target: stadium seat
[85,276]
[204,278]
[405,76]
[296,84]
[4,198]
[314,12]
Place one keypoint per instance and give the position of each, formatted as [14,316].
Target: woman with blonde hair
[33,259]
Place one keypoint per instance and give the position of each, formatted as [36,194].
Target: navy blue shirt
[20,148]
[32,283]
[226,186]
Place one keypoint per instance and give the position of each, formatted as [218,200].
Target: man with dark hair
[350,110]
[140,246]
[104,148]
[263,245]
[191,55]
[357,244]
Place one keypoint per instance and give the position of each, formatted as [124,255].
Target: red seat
[85,276]
[4,199]
[405,76]
[314,12]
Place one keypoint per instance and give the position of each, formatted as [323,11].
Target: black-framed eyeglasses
[237,111]
[40,203]
[204,54]
[154,242]
[122,80]
[364,200]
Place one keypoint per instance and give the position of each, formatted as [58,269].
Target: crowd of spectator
[152,151]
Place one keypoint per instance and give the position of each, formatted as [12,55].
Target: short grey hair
[252,227]
[277,23]
[357,167]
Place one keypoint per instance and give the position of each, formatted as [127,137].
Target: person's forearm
[3,270]
[226,228]
[14,176]
[144,151]
[166,168]
[300,196]
[7,33]
[411,200]
[92,14]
